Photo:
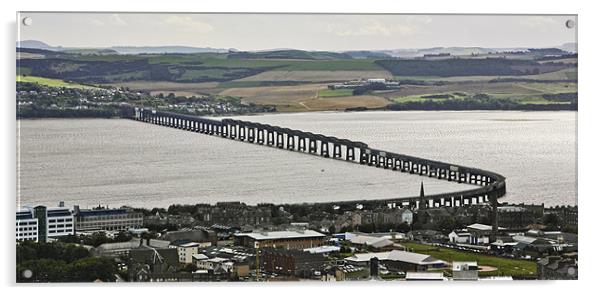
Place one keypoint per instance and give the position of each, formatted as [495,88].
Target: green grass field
[335,92]
[52,82]
[505,266]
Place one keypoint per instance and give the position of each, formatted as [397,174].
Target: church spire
[421,201]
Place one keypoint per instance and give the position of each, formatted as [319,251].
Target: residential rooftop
[396,255]
[277,235]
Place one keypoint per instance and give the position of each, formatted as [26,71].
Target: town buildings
[519,216]
[280,239]
[106,219]
[557,268]
[42,223]
[26,226]
[235,214]
[204,237]
[292,262]
[186,251]
[567,215]
[124,248]
[465,270]
[397,260]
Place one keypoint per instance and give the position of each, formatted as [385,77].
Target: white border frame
[588,118]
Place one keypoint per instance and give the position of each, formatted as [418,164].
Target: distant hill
[570,47]
[419,52]
[367,54]
[88,51]
[287,53]
[290,54]
[166,49]
[35,44]
[458,51]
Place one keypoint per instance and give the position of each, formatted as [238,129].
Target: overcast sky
[309,32]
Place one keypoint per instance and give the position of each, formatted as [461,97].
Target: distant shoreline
[312,112]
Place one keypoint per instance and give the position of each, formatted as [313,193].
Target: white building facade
[42,223]
[27,226]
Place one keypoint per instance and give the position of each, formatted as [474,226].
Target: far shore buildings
[280,239]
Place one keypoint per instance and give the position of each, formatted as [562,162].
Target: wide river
[119,162]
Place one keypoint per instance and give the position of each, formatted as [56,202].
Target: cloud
[115,19]
[538,22]
[186,23]
[107,20]
[392,26]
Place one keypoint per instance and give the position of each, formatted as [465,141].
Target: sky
[299,31]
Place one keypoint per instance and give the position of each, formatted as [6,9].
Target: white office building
[41,223]
[27,226]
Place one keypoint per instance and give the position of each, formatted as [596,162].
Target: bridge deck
[491,185]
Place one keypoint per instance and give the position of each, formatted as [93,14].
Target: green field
[335,92]
[505,266]
[52,82]
[564,74]
[521,92]
[297,80]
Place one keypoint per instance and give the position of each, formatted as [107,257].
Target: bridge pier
[336,153]
[350,155]
[432,172]
[313,146]
[241,132]
[324,149]
[232,131]
[290,142]
[279,140]
[364,157]
[451,175]
[251,134]
[373,160]
[382,162]
[461,177]
[390,164]
[260,136]
[405,166]
[271,137]
[301,143]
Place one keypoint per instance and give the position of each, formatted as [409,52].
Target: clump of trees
[60,262]
[467,67]
[477,102]
[96,239]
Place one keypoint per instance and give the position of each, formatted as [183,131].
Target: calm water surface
[121,162]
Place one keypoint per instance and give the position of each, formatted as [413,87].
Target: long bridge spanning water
[490,185]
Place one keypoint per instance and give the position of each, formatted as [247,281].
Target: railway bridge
[489,186]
